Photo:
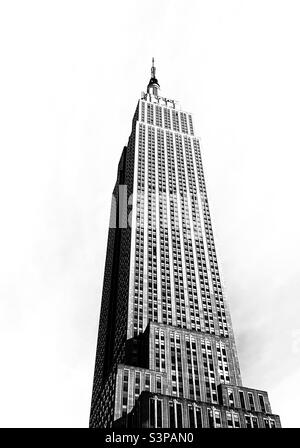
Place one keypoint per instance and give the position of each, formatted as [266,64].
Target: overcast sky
[70,77]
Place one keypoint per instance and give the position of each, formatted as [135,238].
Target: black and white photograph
[149,172]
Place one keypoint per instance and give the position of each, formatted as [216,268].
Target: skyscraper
[166,355]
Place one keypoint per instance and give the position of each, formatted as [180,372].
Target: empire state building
[166,355]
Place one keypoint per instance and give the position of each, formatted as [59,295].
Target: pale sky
[71,73]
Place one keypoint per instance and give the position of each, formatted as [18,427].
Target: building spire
[153,69]
[153,85]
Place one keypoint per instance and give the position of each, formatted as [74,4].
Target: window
[218,419]
[137,384]
[251,401]
[152,412]
[159,414]
[262,403]
[229,419]
[230,398]
[179,415]
[198,418]
[255,422]
[251,421]
[147,381]
[210,418]
[172,414]
[191,416]
[248,421]
[242,399]
[158,384]
[125,392]
[236,420]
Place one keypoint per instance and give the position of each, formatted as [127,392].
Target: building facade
[166,356]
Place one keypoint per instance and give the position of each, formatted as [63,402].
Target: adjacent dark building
[166,356]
